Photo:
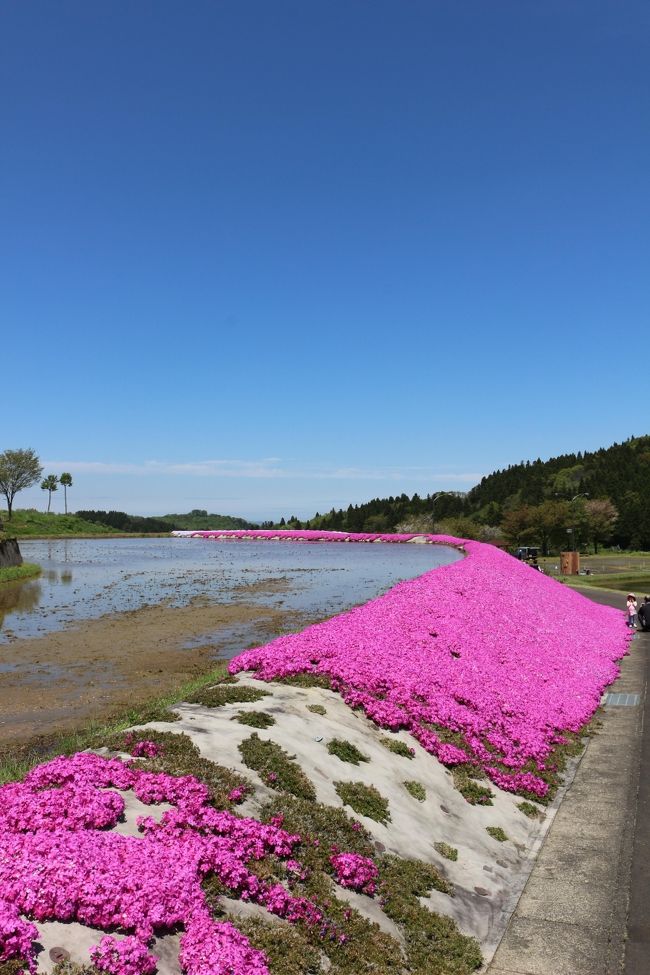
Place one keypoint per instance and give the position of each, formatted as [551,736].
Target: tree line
[568,501]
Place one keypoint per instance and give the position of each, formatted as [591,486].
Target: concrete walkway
[586,907]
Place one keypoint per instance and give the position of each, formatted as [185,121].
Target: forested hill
[194,520]
[542,493]
[615,472]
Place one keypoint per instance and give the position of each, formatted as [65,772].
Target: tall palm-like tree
[49,484]
[66,481]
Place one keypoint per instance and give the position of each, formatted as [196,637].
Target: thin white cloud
[263,469]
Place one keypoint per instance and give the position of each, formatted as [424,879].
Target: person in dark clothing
[644,614]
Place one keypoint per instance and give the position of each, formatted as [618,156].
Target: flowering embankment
[486,651]
[55,864]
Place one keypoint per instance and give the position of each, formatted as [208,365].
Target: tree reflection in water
[23,596]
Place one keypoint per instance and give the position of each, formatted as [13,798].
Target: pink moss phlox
[16,936]
[485,647]
[58,862]
[356,872]
[125,957]
[146,749]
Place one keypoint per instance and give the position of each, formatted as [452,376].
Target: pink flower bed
[355,872]
[486,647]
[57,862]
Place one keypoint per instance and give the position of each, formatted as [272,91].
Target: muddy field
[89,671]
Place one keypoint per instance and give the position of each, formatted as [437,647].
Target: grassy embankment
[29,523]
[15,573]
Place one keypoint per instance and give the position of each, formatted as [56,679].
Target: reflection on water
[87,578]
[21,596]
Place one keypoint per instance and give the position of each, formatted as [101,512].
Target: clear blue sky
[272,257]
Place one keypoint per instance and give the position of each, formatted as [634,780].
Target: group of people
[634,612]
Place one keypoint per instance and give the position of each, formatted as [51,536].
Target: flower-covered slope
[58,862]
[503,656]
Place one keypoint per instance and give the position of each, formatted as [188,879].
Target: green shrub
[364,799]
[276,767]
[417,791]
[497,833]
[255,719]
[447,851]
[346,751]
[397,747]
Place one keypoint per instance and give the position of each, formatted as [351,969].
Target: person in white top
[631,610]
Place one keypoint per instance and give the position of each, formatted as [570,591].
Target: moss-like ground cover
[346,751]
[276,767]
[364,799]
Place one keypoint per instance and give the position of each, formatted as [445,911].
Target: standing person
[644,614]
[631,610]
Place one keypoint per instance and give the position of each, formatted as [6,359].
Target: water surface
[87,578]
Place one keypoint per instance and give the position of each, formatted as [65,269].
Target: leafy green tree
[66,481]
[551,520]
[518,525]
[19,469]
[601,518]
[49,484]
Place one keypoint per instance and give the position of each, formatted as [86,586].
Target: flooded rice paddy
[85,579]
[114,623]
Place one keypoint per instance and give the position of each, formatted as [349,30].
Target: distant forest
[600,497]
[194,520]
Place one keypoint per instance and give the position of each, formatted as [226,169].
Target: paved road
[586,907]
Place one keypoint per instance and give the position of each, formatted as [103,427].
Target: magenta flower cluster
[146,749]
[486,647]
[355,872]
[58,861]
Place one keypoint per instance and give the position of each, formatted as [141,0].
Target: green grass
[433,943]
[416,790]
[14,573]
[346,751]
[276,768]
[636,582]
[364,799]
[307,680]
[27,522]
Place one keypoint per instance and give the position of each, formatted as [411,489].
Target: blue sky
[270,258]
